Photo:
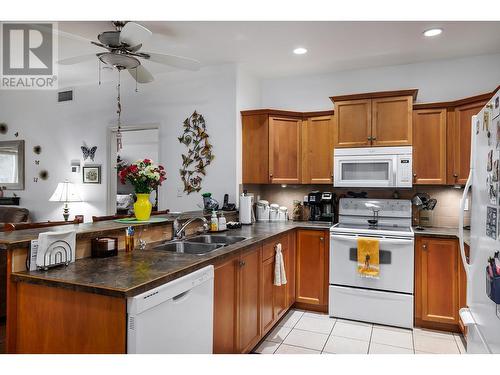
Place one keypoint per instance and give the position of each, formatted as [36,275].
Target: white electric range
[385,300]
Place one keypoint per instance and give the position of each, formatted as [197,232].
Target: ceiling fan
[123,52]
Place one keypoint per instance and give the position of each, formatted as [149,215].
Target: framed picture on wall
[91,174]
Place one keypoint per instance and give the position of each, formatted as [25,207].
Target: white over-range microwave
[373,167]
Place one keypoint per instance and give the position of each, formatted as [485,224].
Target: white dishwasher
[174,318]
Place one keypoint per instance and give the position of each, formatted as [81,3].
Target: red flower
[147,161]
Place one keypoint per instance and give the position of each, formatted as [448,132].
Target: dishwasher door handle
[181,296]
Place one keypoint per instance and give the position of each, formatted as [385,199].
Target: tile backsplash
[445,214]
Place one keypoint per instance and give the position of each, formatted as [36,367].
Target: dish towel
[279,267]
[368,257]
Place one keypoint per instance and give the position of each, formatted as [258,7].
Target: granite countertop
[130,274]
[22,238]
[442,232]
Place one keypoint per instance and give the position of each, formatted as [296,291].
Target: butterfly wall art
[88,152]
[199,154]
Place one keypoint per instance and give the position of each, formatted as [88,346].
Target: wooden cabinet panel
[267,289]
[352,123]
[436,286]
[311,275]
[284,150]
[290,265]
[62,321]
[317,150]
[459,142]
[249,328]
[392,121]
[280,292]
[225,306]
[429,146]
[255,149]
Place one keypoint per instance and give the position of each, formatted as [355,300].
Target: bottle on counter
[214,222]
[129,239]
[222,222]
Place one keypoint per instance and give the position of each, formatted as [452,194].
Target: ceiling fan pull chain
[99,70]
[119,112]
[136,79]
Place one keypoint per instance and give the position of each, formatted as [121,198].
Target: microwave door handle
[394,172]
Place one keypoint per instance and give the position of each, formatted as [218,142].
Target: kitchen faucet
[179,230]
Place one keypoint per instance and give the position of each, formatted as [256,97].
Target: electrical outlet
[179,192]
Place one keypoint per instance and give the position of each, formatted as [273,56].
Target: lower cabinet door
[249,328]
[290,270]
[225,303]
[312,266]
[267,289]
[280,292]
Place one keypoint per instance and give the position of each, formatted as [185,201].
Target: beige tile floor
[302,332]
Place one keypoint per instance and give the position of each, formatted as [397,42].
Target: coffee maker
[321,206]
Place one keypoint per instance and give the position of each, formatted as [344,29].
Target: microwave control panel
[404,171]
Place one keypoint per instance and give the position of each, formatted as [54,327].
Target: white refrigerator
[482,316]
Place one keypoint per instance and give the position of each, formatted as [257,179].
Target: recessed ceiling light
[433,32]
[300,51]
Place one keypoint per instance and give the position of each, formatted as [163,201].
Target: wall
[62,128]
[445,214]
[437,81]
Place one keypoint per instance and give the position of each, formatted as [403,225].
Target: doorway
[138,142]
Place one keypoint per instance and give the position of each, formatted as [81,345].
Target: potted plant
[145,176]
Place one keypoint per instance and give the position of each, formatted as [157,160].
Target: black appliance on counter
[322,206]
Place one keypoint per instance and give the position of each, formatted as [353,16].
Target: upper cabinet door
[392,121]
[459,140]
[284,150]
[255,149]
[429,146]
[352,123]
[317,146]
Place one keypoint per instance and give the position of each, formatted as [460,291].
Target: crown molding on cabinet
[456,103]
[293,114]
[375,95]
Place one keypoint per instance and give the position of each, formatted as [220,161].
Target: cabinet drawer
[268,250]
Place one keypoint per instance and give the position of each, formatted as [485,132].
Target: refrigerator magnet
[491,222]
[486,120]
[478,126]
[498,133]
[493,192]
[494,176]
[489,164]
[496,105]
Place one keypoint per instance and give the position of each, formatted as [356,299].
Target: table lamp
[65,192]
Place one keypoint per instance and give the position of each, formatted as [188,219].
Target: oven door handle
[392,241]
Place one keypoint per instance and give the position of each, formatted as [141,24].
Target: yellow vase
[142,207]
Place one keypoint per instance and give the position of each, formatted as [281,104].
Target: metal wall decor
[199,154]
[88,152]
[37,149]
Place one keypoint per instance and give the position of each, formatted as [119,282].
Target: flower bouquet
[145,176]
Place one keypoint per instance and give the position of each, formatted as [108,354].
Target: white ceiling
[265,48]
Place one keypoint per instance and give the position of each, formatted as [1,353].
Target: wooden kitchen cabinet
[353,123]
[317,150]
[374,119]
[249,330]
[429,146]
[284,150]
[437,283]
[312,263]
[275,300]
[392,121]
[225,306]
[459,141]
[255,148]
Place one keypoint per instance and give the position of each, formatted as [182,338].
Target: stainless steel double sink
[200,245]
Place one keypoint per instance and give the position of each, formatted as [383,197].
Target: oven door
[396,264]
[365,171]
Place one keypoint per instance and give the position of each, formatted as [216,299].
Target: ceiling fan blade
[77,59]
[141,74]
[133,34]
[176,61]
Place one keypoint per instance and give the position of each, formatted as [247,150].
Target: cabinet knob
[242,263]
[455,175]
[271,175]
[321,238]
[369,138]
[374,138]
[414,175]
[424,246]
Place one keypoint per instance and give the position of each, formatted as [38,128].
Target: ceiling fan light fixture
[119,61]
